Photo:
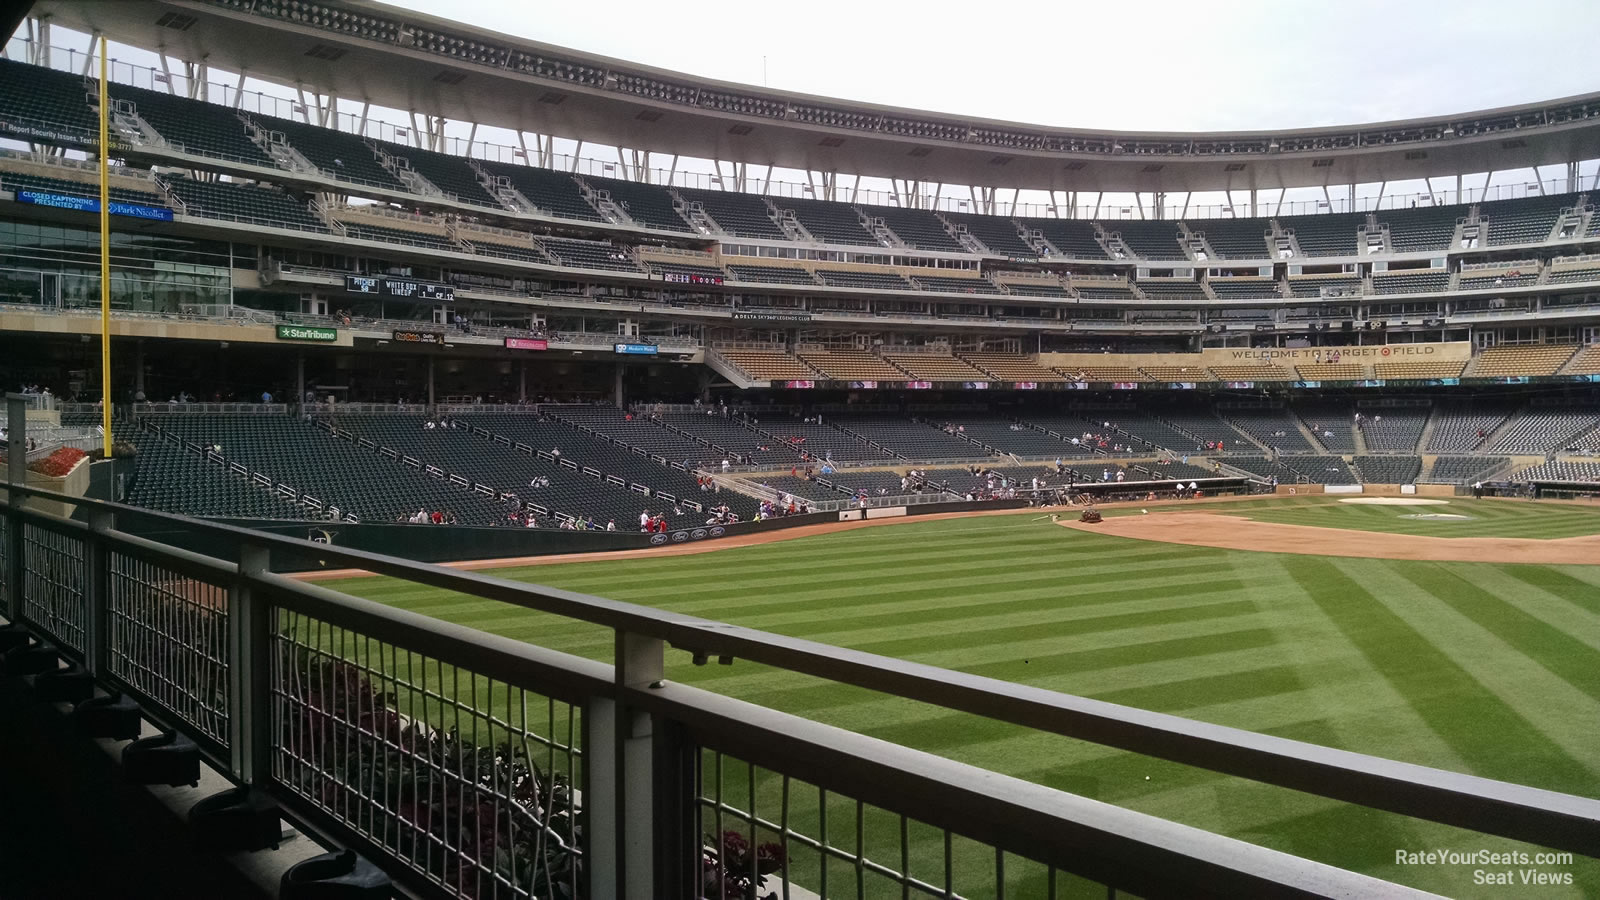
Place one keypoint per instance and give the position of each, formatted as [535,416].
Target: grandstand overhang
[626,106]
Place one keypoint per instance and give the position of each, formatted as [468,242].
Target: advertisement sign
[636,349]
[800,384]
[307,333]
[977,385]
[408,336]
[90,204]
[1026,385]
[527,344]
[864,385]
[919,385]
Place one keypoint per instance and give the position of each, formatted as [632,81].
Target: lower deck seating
[1561,471]
[1388,469]
[1276,428]
[1541,430]
[911,440]
[172,479]
[820,441]
[1010,437]
[1461,427]
[1395,428]
[1463,469]
[337,472]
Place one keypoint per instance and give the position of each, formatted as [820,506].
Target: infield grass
[1489,669]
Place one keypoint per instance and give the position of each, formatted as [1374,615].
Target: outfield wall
[457,543]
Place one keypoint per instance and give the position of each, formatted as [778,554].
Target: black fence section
[470,765]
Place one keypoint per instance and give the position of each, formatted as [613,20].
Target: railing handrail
[1549,818]
[1120,847]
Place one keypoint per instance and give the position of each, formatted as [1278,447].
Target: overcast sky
[1118,65]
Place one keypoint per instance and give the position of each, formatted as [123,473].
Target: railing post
[97,594]
[249,671]
[631,831]
[17,474]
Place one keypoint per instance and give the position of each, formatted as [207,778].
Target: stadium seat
[1528,220]
[235,201]
[1235,238]
[194,126]
[1388,469]
[997,233]
[918,229]
[830,223]
[736,213]
[648,205]
[552,193]
[337,154]
[1152,240]
[1329,234]
[1421,228]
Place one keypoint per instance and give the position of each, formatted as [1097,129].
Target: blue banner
[60,201]
[159,213]
[90,204]
[637,349]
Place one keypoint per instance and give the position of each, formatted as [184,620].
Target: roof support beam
[672,172]
[92,55]
[41,52]
[238,94]
[166,71]
[1098,196]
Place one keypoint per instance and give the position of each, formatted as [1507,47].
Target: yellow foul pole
[105,258]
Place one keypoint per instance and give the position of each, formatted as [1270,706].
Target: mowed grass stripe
[1560,711]
[1552,580]
[1560,653]
[1453,704]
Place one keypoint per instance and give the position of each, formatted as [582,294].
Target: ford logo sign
[658,539]
[698,534]
[679,537]
[718,531]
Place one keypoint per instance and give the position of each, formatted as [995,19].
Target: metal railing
[472,765]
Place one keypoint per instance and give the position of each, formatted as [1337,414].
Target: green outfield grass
[1483,668]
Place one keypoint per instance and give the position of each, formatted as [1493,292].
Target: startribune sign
[307,333]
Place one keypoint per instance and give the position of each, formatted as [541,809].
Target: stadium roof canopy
[408,61]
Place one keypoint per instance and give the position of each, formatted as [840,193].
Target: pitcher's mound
[1395,501]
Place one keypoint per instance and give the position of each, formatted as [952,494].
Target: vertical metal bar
[105,251]
[640,663]
[97,593]
[249,672]
[677,792]
[602,801]
[17,474]
[999,874]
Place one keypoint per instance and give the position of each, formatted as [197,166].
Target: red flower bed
[58,463]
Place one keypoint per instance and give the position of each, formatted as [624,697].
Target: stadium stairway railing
[294,687]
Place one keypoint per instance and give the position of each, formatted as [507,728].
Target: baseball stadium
[445,464]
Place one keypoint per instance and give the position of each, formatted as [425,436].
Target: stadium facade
[322,319]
